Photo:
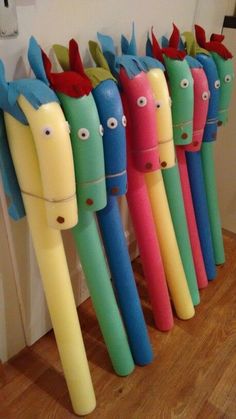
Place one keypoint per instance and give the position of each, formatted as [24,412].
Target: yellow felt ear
[62,55]
[97,55]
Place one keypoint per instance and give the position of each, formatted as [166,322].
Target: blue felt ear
[129,48]
[181,45]
[6,93]
[164,42]
[149,52]
[10,182]
[124,45]
[36,60]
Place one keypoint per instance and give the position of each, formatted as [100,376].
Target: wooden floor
[193,374]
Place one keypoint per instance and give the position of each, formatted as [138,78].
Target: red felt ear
[200,36]
[219,49]
[156,50]
[174,38]
[217,37]
[75,58]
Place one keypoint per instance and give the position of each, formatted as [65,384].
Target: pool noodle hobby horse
[223,61]
[111,115]
[143,158]
[178,73]
[74,92]
[200,107]
[41,152]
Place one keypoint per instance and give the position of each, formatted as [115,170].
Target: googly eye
[205,95]
[83,134]
[112,123]
[124,121]
[101,130]
[184,83]
[158,104]
[217,84]
[47,131]
[67,127]
[142,101]
[228,78]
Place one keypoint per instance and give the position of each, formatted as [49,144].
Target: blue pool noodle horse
[109,105]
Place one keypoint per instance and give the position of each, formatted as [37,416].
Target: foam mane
[215,43]
[130,63]
[35,91]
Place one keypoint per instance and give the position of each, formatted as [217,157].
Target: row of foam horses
[53,161]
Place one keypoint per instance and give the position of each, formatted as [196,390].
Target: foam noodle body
[201,100]
[111,115]
[50,255]
[207,160]
[82,113]
[181,88]
[168,163]
[136,193]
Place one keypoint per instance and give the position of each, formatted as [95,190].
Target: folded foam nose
[116,184]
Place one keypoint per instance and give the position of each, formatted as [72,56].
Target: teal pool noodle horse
[216,59]
[75,93]
[113,120]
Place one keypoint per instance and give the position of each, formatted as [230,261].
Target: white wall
[57,21]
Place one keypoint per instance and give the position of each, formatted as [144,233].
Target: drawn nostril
[184,135]
[114,190]
[148,165]
[219,123]
[195,143]
[89,201]
[60,220]
[163,164]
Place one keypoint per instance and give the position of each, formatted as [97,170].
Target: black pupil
[112,124]
[83,134]
[47,132]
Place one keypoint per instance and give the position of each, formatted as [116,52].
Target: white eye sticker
[142,101]
[101,130]
[205,95]
[67,127]
[217,84]
[184,83]
[124,121]
[112,123]
[47,131]
[83,134]
[158,104]
[228,78]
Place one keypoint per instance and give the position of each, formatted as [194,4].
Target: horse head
[74,90]
[224,64]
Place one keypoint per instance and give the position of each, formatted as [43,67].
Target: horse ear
[190,43]
[148,47]
[217,37]
[97,55]
[200,36]
[75,58]
[156,49]
[174,38]
[61,57]
[35,58]
[124,45]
